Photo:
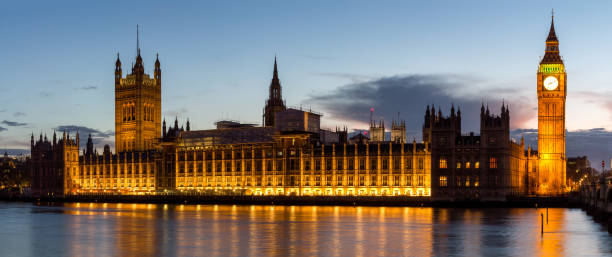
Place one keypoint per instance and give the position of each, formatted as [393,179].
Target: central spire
[137,41]
[275,86]
[552,36]
[551,54]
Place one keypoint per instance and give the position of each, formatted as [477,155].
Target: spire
[275,86]
[138,66]
[551,54]
[275,75]
[137,41]
[552,36]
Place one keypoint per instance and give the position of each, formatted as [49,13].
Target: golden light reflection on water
[95,229]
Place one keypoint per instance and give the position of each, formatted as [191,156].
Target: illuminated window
[373,181]
[443,181]
[459,165]
[492,163]
[420,163]
[396,180]
[477,165]
[467,165]
[443,164]
[476,182]
[409,163]
[421,180]
[467,181]
[409,180]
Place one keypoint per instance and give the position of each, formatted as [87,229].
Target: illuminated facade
[291,155]
[552,90]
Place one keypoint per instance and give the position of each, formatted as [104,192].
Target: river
[97,229]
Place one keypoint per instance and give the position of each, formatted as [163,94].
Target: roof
[241,135]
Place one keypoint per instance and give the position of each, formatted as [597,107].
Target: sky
[337,57]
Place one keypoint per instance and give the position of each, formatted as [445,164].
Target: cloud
[99,138]
[18,114]
[13,123]
[595,143]
[3,129]
[604,99]
[410,94]
[88,88]
[85,131]
[317,57]
[175,112]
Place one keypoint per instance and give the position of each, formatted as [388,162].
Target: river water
[96,229]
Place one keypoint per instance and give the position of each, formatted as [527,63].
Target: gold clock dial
[551,83]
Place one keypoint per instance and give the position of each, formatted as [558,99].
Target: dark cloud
[595,143]
[100,138]
[410,95]
[85,131]
[18,114]
[13,123]
[3,129]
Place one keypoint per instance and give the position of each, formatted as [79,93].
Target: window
[476,182]
[467,181]
[443,164]
[477,165]
[492,163]
[409,163]
[339,165]
[459,165]
[339,180]
[409,180]
[420,163]
[361,180]
[458,181]
[385,180]
[373,165]
[385,164]
[421,180]
[306,165]
[328,164]
[468,165]
[373,181]
[443,181]
[351,164]
[396,180]
[328,180]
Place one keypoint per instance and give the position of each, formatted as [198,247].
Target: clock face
[551,83]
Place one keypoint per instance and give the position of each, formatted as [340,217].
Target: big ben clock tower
[552,90]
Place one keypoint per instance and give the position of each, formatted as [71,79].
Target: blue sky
[57,58]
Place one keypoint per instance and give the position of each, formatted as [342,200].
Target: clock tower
[552,90]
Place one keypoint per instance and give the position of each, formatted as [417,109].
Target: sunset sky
[336,57]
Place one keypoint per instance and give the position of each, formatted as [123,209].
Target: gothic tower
[552,91]
[137,106]
[275,101]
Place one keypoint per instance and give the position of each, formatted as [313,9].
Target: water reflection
[97,229]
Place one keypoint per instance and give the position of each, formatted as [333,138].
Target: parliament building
[290,154]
